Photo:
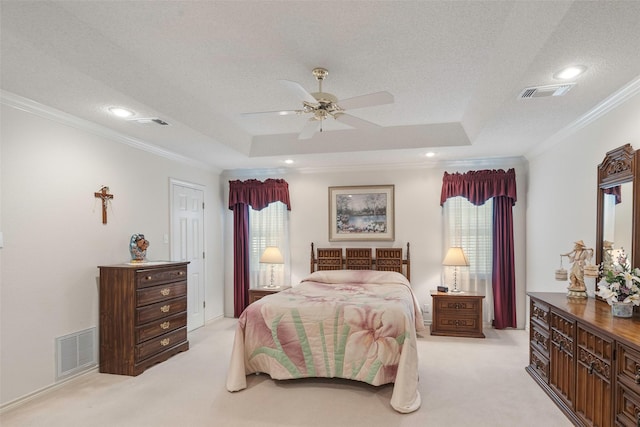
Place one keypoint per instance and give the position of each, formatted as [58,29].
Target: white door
[187,244]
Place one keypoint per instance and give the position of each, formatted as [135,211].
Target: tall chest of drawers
[143,315]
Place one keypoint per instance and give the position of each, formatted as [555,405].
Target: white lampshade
[272,255]
[455,257]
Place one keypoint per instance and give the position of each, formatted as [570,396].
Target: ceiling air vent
[542,91]
[149,120]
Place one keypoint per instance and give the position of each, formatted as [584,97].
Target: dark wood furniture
[386,259]
[257,293]
[585,359]
[457,314]
[143,315]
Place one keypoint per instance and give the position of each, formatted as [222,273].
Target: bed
[354,317]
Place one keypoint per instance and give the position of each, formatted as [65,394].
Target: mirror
[618,199]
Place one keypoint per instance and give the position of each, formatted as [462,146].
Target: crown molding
[50,113]
[618,98]
[494,162]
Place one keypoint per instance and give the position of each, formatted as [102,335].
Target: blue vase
[622,309]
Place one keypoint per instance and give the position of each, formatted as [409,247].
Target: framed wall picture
[361,213]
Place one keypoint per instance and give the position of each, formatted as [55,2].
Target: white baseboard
[44,390]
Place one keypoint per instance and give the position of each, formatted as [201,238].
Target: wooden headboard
[386,259]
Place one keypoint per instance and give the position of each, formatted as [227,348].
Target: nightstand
[457,314]
[257,293]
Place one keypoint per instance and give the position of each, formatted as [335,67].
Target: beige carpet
[463,382]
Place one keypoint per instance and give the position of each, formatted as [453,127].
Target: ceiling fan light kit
[322,105]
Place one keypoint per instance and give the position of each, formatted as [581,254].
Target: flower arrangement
[621,283]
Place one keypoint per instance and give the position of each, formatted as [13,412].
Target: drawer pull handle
[165,342]
[165,291]
[165,325]
[638,381]
[181,273]
[165,308]
[148,278]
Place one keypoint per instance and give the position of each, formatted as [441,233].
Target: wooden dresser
[143,315]
[586,360]
[457,314]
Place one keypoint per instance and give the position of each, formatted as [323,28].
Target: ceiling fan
[323,105]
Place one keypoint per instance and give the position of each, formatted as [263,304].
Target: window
[268,227]
[471,227]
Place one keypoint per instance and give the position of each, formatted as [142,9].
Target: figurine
[607,256]
[579,257]
[138,247]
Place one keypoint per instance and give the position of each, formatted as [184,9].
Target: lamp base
[271,287]
[456,291]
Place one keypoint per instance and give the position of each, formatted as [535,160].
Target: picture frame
[362,213]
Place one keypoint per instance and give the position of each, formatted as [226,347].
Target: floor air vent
[76,353]
[542,91]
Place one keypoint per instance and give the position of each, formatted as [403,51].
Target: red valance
[258,194]
[479,186]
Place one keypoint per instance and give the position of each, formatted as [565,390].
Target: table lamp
[455,257]
[271,255]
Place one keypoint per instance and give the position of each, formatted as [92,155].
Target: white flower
[607,294]
[621,284]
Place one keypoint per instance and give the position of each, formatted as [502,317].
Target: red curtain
[478,187]
[242,196]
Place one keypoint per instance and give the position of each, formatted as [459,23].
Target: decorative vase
[138,247]
[622,309]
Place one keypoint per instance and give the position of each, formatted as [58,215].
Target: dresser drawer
[461,306]
[457,324]
[154,277]
[160,310]
[540,314]
[161,293]
[627,407]
[540,339]
[540,364]
[161,326]
[629,368]
[158,344]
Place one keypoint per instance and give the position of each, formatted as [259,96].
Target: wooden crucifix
[105,196]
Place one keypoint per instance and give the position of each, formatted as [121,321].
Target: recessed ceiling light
[430,154]
[120,112]
[288,161]
[570,72]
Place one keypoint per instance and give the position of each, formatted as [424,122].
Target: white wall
[562,192]
[418,221]
[54,238]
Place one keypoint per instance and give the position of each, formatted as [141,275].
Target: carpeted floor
[463,382]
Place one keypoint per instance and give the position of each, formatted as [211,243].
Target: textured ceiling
[455,70]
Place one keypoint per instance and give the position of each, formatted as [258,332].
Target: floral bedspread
[354,324]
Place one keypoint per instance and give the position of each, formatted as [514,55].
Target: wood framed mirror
[618,204]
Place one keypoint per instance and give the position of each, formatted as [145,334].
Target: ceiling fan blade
[299,91]
[309,129]
[378,98]
[355,122]
[274,113]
